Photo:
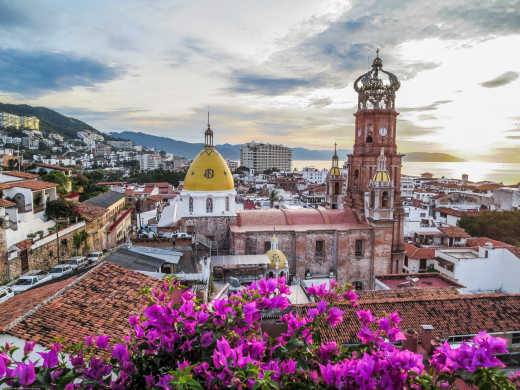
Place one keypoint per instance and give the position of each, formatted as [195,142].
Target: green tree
[79,239]
[60,208]
[274,197]
[59,178]
[498,225]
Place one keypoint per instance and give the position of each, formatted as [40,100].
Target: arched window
[369,138]
[209,205]
[336,188]
[372,199]
[190,204]
[227,203]
[384,200]
[356,177]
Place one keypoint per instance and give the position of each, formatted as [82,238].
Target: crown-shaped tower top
[376,88]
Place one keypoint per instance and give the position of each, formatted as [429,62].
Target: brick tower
[335,184]
[375,144]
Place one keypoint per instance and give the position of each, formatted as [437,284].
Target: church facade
[360,234]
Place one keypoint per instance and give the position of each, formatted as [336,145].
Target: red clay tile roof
[6,203]
[98,302]
[458,213]
[90,212]
[449,315]
[20,304]
[426,280]
[454,231]
[23,175]
[416,253]
[52,166]
[30,184]
[481,241]
[403,293]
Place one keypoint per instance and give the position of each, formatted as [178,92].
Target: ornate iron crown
[376,88]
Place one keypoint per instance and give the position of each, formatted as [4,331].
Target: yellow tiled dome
[209,172]
[276,256]
[382,176]
[334,171]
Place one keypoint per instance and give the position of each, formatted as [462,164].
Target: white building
[259,157]
[313,175]
[487,269]
[149,162]
[507,198]
[407,186]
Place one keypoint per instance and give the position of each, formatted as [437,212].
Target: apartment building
[149,162]
[259,157]
[25,122]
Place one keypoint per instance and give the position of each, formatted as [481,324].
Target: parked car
[77,262]
[182,235]
[6,293]
[60,270]
[30,280]
[165,234]
[94,256]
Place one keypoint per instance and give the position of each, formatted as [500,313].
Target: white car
[30,280]
[6,293]
[94,256]
[60,270]
[77,262]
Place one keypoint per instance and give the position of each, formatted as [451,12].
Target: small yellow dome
[334,171]
[209,172]
[382,176]
[276,257]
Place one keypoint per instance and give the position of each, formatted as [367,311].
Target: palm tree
[273,197]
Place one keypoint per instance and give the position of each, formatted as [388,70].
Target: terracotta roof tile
[23,175]
[20,304]
[414,252]
[100,301]
[30,184]
[449,315]
[52,166]
[6,203]
[90,212]
[454,231]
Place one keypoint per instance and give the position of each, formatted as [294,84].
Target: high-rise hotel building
[260,157]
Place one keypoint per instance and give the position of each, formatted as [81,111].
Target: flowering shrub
[189,345]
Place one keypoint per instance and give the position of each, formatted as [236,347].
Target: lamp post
[57,221]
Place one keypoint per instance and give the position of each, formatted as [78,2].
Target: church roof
[276,257]
[381,177]
[295,219]
[334,171]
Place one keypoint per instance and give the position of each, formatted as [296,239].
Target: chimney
[426,337]
[411,340]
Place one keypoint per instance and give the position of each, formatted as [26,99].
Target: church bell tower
[375,147]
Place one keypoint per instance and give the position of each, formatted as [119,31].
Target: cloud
[503,79]
[265,85]
[408,130]
[11,16]
[514,137]
[321,102]
[38,73]
[430,107]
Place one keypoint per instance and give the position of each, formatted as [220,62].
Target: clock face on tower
[382,131]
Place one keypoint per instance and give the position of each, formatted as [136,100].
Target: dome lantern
[208,135]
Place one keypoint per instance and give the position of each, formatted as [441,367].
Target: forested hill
[50,120]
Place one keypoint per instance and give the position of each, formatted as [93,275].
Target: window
[227,203]
[319,248]
[336,188]
[372,199]
[422,264]
[359,248]
[267,246]
[209,205]
[515,338]
[406,261]
[358,285]
[384,200]
[190,204]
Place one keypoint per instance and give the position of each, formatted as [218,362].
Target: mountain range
[229,151]
[68,127]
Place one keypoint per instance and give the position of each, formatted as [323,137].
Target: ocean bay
[507,173]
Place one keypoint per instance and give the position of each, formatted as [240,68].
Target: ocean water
[507,173]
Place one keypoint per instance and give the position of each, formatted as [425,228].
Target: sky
[272,70]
